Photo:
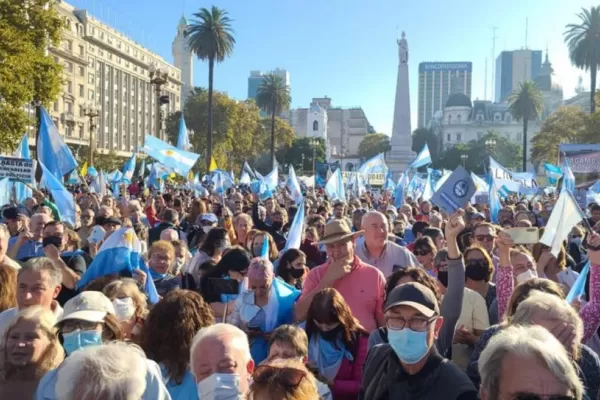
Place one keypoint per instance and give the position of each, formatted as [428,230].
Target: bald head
[169,235]
[37,223]
[376,228]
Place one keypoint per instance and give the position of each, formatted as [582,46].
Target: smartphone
[524,235]
[221,286]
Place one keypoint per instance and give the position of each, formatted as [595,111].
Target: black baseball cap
[414,295]
[112,221]
[13,213]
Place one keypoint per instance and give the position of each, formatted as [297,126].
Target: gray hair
[553,307]
[526,342]
[171,215]
[237,337]
[39,264]
[371,213]
[111,371]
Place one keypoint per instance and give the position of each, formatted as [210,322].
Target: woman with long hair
[267,303]
[215,243]
[258,243]
[337,343]
[8,288]
[479,269]
[292,268]
[167,337]
[131,306]
[242,224]
[29,349]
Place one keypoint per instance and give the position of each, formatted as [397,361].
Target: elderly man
[361,284]
[374,248]
[72,266]
[221,363]
[29,242]
[170,235]
[527,363]
[38,283]
[409,367]
[87,222]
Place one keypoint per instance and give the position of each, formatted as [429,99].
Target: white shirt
[393,254]
[7,315]
[474,316]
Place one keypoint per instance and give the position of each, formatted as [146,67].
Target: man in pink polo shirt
[361,285]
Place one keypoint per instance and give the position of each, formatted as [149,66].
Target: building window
[81,91]
[90,95]
[315,126]
[56,106]
[80,50]
[90,62]
[69,66]
[68,45]
[497,117]
[69,87]
[508,118]
[459,137]
[81,71]
[458,117]
[81,111]
[449,137]
[69,107]
[479,117]
[449,119]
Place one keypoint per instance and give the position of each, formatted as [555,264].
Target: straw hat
[337,230]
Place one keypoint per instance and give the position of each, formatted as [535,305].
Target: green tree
[273,97]
[373,144]
[300,154]
[526,104]
[210,37]
[108,162]
[565,125]
[422,136]
[172,126]
[583,41]
[284,136]
[27,72]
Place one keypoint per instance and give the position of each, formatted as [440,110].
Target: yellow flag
[84,169]
[213,165]
[190,176]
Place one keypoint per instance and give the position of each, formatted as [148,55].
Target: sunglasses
[288,377]
[421,252]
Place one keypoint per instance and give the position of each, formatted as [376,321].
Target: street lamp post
[158,77]
[490,145]
[302,169]
[313,144]
[91,111]
[464,157]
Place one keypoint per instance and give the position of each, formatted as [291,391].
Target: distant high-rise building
[514,67]
[437,81]
[256,78]
[182,56]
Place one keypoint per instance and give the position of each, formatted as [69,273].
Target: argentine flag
[423,158]
[179,161]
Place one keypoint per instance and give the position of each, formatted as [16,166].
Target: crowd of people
[376,302]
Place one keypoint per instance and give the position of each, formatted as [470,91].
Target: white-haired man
[527,363]
[374,247]
[29,242]
[221,363]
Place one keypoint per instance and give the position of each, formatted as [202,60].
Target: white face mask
[124,308]
[525,276]
[220,387]
[206,229]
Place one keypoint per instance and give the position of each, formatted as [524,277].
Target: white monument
[401,154]
[183,59]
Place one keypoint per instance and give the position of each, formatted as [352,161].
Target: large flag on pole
[296,229]
[335,186]
[179,161]
[568,182]
[52,150]
[22,191]
[494,199]
[423,158]
[62,197]
[183,139]
[553,173]
[294,186]
[374,165]
[129,168]
[565,215]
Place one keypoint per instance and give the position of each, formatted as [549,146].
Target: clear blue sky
[346,49]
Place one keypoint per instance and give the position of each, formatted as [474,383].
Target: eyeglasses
[288,377]
[422,252]
[71,324]
[486,238]
[534,396]
[417,324]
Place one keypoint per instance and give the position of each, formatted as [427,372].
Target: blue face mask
[409,346]
[79,339]
[156,276]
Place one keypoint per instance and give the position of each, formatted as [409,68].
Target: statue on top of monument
[403,49]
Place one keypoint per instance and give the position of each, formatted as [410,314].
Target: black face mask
[477,270]
[443,277]
[277,225]
[54,240]
[400,234]
[332,334]
[296,273]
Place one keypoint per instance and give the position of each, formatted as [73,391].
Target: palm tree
[526,103]
[583,41]
[210,37]
[273,97]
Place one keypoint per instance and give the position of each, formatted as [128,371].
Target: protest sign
[483,198]
[512,180]
[455,192]
[18,170]
[584,161]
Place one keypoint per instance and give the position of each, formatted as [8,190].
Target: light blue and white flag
[568,182]
[565,215]
[92,172]
[128,169]
[503,192]
[294,186]
[495,204]
[294,238]
[272,179]
[154,179]
[5,185]
[246,168]
[400,189]
[595,187]
[428,189]
[183,139]
[553,173]
[179,161]
[62,197]
[423,158]
[335,187]
[98,184]
[22,190]
[389,183]
[120,253]
[512,180]
[73,178]
[480,184]
[578,287]
[52,150]
[245,178]
[374,165]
